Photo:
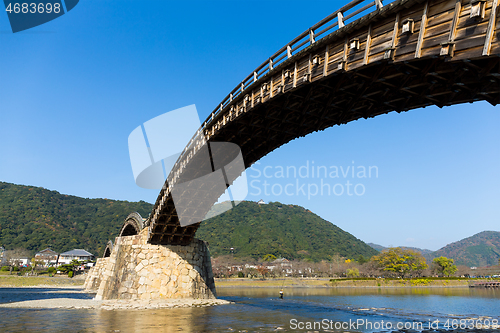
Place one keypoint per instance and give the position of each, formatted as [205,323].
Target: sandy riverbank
[72,303]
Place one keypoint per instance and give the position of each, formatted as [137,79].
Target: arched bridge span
[405,55]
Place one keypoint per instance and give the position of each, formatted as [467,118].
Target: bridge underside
[340,98]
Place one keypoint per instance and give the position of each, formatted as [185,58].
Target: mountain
[377,247]
[289,231]
[35,218]
[482,249]
[380,248]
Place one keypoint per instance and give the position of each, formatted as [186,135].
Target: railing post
[231,97]
[378,4]
[288,51]
[270,64]
[254,76]
[242,87]
[340,19]
[311,36]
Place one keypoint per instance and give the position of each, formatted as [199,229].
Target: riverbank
[339,283]
[75,303]
[14,281]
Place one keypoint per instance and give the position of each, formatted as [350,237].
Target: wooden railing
[338,19]
[323,28]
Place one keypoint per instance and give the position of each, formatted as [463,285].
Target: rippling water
[259,310]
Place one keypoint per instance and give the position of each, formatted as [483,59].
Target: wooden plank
[422,31]
[408,48]
[431,51]
[470,42]
[374,57]
[444,27]
[368,43]
[378,30]
[471,31]
[438,19]
[436,10]
[354,56]
[355,64]
[382,38]
[470,53]
[435,40]
[381,47]
[489,32]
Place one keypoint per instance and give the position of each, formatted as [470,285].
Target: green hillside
[35,218]
[289,231]
[482,249]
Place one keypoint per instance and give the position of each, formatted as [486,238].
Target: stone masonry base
[138,270]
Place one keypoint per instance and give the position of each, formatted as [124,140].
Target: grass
[14,281]
[335,283]
[278,282]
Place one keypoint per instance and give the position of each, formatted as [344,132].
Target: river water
[261,310]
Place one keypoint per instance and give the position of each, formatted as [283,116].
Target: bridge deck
[406,55]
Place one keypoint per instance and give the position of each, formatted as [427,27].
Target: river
[261,310]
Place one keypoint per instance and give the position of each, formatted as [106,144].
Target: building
[78,254]
[3,261]
[47,256]
[19,261]
[261,202]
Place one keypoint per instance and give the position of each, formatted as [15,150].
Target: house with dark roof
[78,254]
[47,257]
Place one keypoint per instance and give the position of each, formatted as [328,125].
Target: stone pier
[138,270]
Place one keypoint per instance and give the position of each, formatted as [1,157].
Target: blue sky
[73,89]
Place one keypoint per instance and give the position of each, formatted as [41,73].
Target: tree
[269,257]
[263,271]
[400,261]
[352,272]
[362,260]
[444,266]
[14,256]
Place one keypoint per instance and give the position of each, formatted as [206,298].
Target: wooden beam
[395,31]
[295,75]
[367,46]
[491,28]
[421,33]
[325,64]
[271,87]
[454,23]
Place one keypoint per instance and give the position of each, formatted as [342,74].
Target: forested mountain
[290,231]
[482,249]
[35,218]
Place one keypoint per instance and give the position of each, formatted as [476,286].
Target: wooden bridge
[363,60]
